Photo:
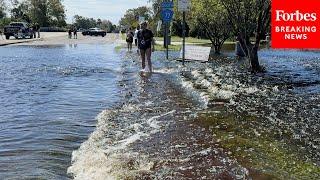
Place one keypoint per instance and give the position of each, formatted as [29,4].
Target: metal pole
[167,39]
[164,35]
[183,37]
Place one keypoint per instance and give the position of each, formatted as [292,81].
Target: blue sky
[112,10]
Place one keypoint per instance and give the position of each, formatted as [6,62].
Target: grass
[123,36]
[188,40]
[118,48]
[258,149]
[159,47]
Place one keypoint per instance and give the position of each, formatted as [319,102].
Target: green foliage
[249,18]
[3,9]
[212,20]
[107,25]
[84,22]
[20,11]
[38,12]
[131,17]
[56,13]
[244,16]
[44,12]
[4,21]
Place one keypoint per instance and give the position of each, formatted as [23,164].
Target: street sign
[166,15]
[167,5]
[196,53]
[183,5]
[141,19]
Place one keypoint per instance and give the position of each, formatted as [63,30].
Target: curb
[19,42]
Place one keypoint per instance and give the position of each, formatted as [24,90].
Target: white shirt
[136,34]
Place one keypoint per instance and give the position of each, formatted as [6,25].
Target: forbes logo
[281,15]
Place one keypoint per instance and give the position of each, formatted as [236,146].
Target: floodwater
[84,112]
[50,96]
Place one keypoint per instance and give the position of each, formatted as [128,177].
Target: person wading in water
[146,46]
[129,39]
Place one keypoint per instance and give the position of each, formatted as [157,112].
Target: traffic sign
[183,5]
[166,15]
[142,19]
[167,5]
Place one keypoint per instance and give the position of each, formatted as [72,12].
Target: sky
[111,10]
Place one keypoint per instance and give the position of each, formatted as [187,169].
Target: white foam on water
[166,70]
[106,153]
[153,123]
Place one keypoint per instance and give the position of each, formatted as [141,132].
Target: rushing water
[50,96]
[83,111]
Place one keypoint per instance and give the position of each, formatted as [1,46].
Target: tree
[177,28]
[107,25]
[38,12]
[212,17]
[131,17]
[56,13]
[3,8]
[20,11]
[84,22]
[249,18]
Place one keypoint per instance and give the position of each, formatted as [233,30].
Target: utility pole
[183,36]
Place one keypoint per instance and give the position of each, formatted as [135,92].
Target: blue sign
[167,5]
[166,15]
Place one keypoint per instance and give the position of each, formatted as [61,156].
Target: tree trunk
[251,51]
[254,59]
[217,48]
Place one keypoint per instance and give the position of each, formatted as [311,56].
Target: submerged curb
[20,41]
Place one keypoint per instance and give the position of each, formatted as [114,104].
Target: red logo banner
[295,24]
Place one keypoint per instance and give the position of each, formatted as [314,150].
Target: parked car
[81,30]
[94,32]
[18,30]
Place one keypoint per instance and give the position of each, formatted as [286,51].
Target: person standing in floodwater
[75,33]
[38,29]
[34,29]
[135,37]
[70,33]
[129,39]
[145,45]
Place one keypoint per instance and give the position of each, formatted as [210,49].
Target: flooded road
[84,112]
[50,96]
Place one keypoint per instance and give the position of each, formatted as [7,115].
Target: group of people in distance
[73,30]
[143,38]
[36,29]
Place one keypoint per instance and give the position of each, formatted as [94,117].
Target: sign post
[167,14]
[183,6]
